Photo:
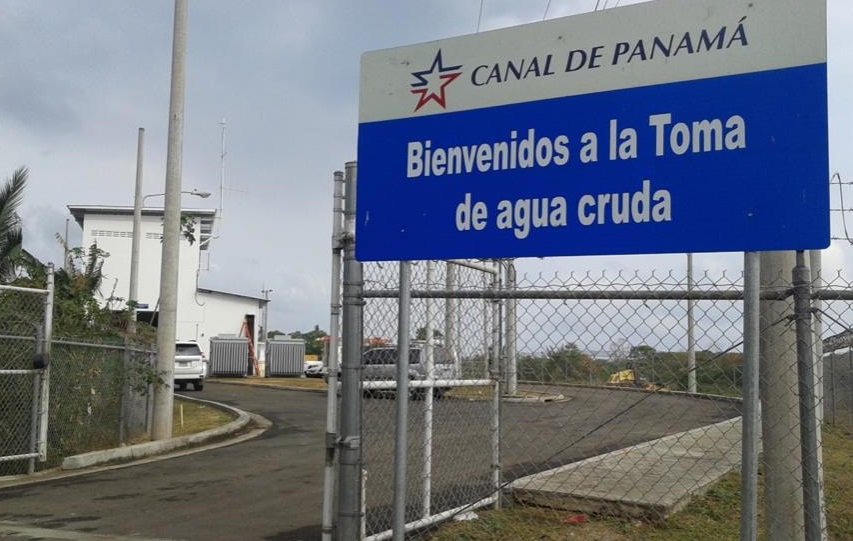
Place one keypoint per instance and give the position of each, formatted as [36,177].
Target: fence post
[496,375]
[36,403]
[426,494]
[450,318]
[511,332]
[749,422]
[806,386]
[332,360]
[691,327]
[401,440]
[46,351]
[349,486]
[125,392]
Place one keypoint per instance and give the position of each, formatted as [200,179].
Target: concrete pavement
[650,480]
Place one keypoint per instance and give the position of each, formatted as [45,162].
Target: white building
[202,313]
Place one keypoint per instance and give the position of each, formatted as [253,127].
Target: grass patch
[712,517]
[471,393]
[838,475]
[197,417]
[291,383]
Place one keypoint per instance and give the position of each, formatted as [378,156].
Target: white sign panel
[658,127]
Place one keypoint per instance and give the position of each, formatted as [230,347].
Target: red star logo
[426,78]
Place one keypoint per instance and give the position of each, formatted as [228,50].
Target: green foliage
[188,228]
[77,310]
[11,239]
[313,346]
[421,334]
[566,363]
[716,373]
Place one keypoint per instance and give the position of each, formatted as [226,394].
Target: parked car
[314,369]
[380,364]
[190,365]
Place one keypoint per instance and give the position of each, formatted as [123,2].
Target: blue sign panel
[711,161]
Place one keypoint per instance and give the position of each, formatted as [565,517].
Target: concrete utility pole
[167,319]
[266,293]
[816,266]
[780,414]
[133,293]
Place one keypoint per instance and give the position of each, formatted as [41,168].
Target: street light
[194,191]
[136,231]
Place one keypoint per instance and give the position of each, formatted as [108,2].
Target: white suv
[189,365]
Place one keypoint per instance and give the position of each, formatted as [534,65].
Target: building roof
[79,211]
[205,216]
[215,292]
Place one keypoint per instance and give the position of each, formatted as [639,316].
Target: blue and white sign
[662,127]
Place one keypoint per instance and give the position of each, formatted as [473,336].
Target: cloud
[78,78]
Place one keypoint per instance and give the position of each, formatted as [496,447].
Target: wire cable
[836,175]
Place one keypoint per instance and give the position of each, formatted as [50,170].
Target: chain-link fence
[60,397]
[99,397]
[22,336]
[620,393]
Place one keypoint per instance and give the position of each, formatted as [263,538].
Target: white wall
[224,314]
[200,315]
[113,234]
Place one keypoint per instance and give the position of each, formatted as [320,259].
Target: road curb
[540,398]
[147,449]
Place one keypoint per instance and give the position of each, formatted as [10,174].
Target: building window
[105,233]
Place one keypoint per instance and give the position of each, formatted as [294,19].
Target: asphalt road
[270,488]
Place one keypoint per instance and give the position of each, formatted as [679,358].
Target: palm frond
[93,271]
[11,195]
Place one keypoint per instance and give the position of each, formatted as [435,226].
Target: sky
[78,78]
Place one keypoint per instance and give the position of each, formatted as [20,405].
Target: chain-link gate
[591,375]
[25,328]
[450,470]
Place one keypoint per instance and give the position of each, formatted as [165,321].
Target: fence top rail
[23,289]
[17,337]
[575,294]
[117,347]
[600,294]
[833,294]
